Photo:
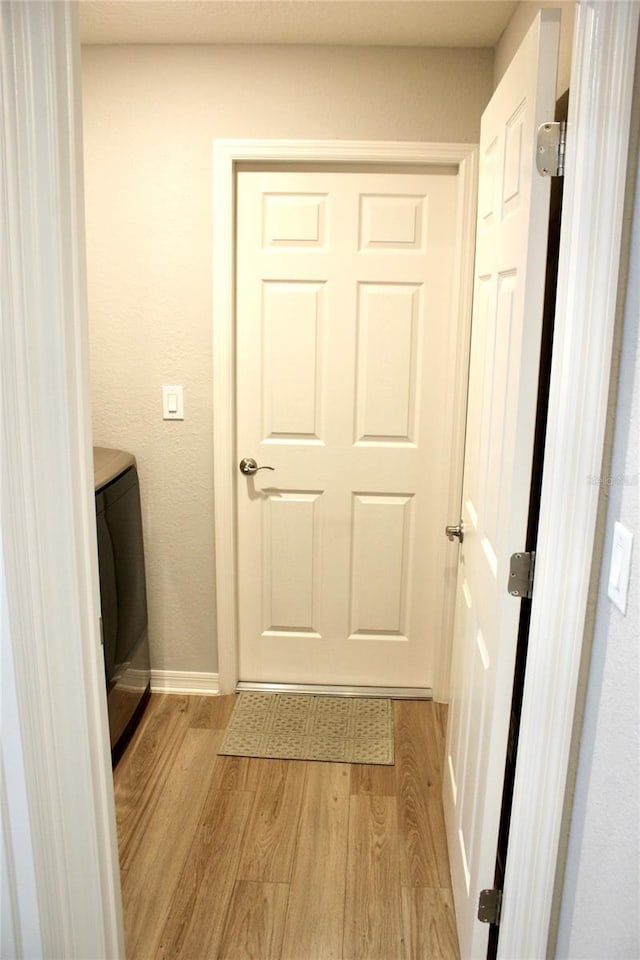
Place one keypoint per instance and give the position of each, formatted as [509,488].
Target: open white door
[513,206]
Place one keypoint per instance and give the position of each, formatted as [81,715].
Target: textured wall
[517,27]
[600,909]
[150,115]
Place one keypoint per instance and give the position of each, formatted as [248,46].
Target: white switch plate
[172,403]
[620,566]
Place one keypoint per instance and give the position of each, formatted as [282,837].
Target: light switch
[172,403]
[620,569]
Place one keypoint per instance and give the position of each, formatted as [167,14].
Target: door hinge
[489,905]
[521,567]
[550,149]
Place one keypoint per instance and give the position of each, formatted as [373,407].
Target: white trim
[598,129]
[47,505]
[458,362]
[227,154]
[185,682]
[20,917]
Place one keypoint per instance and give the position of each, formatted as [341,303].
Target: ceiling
[389,23]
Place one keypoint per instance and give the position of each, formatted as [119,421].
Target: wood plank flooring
[231,858]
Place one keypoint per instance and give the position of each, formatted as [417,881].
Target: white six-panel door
[344,300]
[505,346]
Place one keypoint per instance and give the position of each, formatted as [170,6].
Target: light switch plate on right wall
[620,569]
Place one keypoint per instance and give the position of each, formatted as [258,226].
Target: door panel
[291,554]
[387,335]
[344,323]
[505,348]
[292,325]
[380,555]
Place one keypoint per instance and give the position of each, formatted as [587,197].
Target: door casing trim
[227,156]
[57,810]
[602,74]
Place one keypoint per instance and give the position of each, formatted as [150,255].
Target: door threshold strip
[394,693]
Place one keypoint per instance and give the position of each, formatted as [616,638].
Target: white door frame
[228,155]
[59,850]
[602,77]
[601,82]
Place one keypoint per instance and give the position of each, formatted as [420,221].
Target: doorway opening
[230,158]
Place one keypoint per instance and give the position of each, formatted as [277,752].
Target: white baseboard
[185,682]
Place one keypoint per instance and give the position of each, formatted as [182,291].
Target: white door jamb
[55,752]
[596,163]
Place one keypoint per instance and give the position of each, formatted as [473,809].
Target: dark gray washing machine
[123,596]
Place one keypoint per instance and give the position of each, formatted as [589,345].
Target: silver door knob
[455,530]
[249,466]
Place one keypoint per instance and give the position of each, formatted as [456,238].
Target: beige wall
[515,30]
[150,115]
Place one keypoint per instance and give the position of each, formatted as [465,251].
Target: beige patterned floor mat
[309,727]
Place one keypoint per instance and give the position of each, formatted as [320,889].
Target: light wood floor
[232,858]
